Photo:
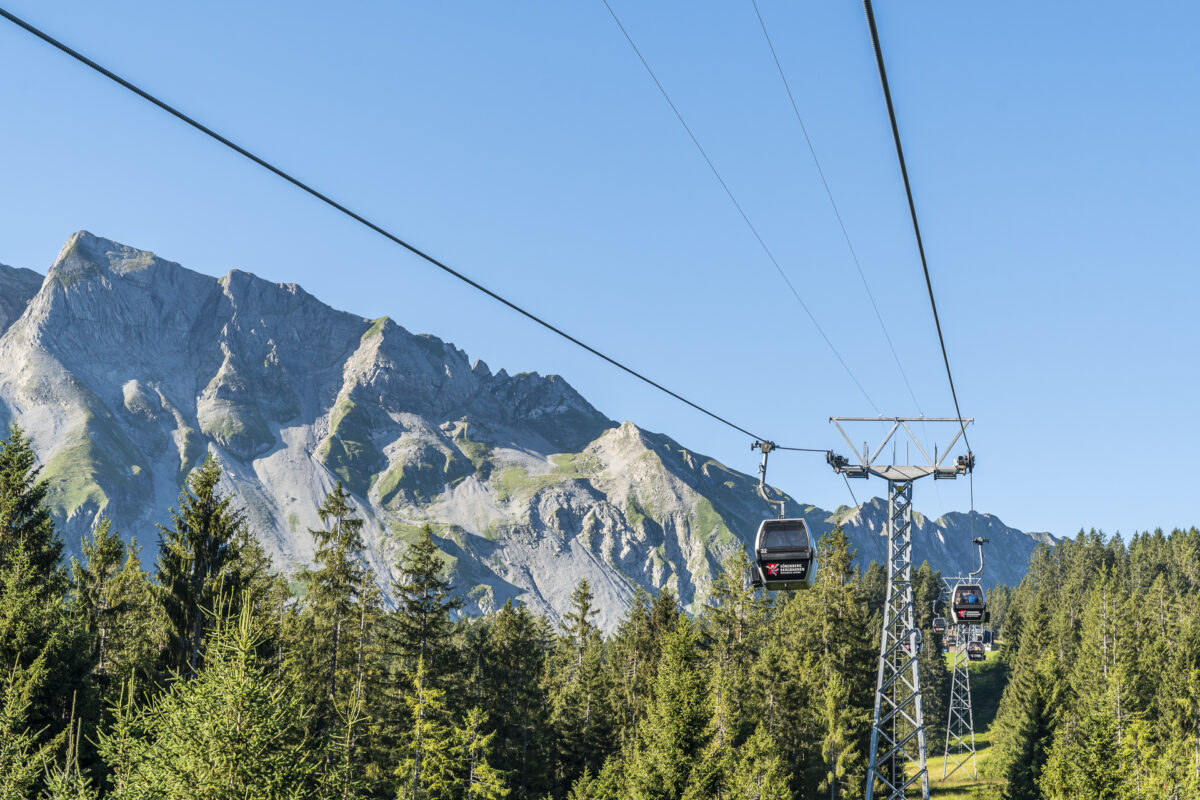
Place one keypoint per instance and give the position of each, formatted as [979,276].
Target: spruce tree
[193,557]
[515,699]
[25,520]
[44,648]
[845,681]
[135,630]
[632,665]
[760,773]
[580,707]
[339,612]
[672,733]
[236,730]
[430,754]
[103,555]
[480,780]
[22,757]
[422,623]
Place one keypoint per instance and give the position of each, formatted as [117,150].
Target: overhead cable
[833,204]
[912,208]
[360,219]
[745,217]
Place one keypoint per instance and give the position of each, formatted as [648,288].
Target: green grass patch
[516,482]
[709,525]
[348,451]
[478,453]
[961,785]
[95,452]
[71,475]
[407,534]
[635,513]
[375,329]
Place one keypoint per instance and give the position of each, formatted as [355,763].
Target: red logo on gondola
[773,570]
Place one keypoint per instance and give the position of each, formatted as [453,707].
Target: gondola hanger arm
[766,448]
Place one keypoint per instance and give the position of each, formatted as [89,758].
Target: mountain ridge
[125,369]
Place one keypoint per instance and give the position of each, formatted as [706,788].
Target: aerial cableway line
[366,222]
[912,207]
[737,205]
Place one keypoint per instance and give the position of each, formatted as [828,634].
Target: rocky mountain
[126,369]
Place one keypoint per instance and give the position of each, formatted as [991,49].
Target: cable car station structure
[898,723]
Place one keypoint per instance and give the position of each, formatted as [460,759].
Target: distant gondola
[783,554]
[975,651]
[939,625]
[920,641]
[969,604]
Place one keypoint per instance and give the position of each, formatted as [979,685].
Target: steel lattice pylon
[960,725]
[898,725]
[898,730]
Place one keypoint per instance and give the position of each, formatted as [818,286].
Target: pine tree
[193,557]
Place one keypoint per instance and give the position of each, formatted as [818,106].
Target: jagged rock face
[17,288]
[126,369]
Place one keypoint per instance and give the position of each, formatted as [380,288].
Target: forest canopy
[211,675]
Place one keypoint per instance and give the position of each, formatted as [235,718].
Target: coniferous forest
[211,675]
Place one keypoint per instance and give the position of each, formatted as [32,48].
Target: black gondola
[975,651]
[939,625]
[784,555]
[969,604]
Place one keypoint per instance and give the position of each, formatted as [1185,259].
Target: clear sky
[1052,147]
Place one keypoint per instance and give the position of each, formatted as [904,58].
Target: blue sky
[1052,154]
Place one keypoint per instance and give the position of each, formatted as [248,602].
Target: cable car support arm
[766,448]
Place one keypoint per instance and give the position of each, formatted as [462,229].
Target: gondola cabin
[975,651]
[939,625]
[784,554]
[969,604]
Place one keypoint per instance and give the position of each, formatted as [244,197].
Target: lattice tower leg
[960,725]
[898,729]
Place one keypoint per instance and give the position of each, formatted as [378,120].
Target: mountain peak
[86,254]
